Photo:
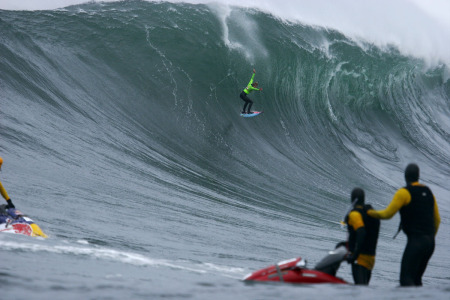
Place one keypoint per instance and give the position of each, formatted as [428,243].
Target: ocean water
[121,137]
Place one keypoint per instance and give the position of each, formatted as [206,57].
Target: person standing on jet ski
[3,191]
[363,237]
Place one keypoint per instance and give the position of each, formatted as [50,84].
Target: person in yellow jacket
[3,191]
[419,220]
[251,86]
[37,231]
[362,238]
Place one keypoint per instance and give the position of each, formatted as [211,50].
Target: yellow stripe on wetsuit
[3,192]
[402,198]
[356,221]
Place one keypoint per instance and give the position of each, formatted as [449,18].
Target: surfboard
[253,114]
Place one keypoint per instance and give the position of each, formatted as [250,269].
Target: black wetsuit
[362,242]
[417,221]
[248,102]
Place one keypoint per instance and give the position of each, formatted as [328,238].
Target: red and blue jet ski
[14,221]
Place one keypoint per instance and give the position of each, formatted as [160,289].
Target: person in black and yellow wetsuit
[3,191]
[251,86]
[15,214]
[419,220]
[363,237]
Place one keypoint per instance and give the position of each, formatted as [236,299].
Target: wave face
[130,111]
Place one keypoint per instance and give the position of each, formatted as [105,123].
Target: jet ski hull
[13,221]
[293,271]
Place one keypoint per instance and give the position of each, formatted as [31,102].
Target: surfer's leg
[428,244]
[361,275]
[250,106]
[247,100]
[244,97]
[245,106]
[369,275]
[412,260]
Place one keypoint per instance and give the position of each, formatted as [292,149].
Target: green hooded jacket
[249,87]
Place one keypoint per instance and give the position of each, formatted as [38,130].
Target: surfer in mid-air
[251,86]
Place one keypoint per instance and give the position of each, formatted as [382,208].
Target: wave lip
[417,28]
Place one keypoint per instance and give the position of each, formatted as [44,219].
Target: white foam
[101,253]
[97,253]
[416,27]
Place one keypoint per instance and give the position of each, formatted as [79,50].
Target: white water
[417,28]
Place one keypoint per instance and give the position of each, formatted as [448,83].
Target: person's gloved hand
[10,204]
[350,258]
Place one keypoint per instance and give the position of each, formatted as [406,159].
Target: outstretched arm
[401,198]
[254,71]
[3,192]
[251,80]
[5,195]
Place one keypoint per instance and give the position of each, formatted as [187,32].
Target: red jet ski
[14,221]
[295,270]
